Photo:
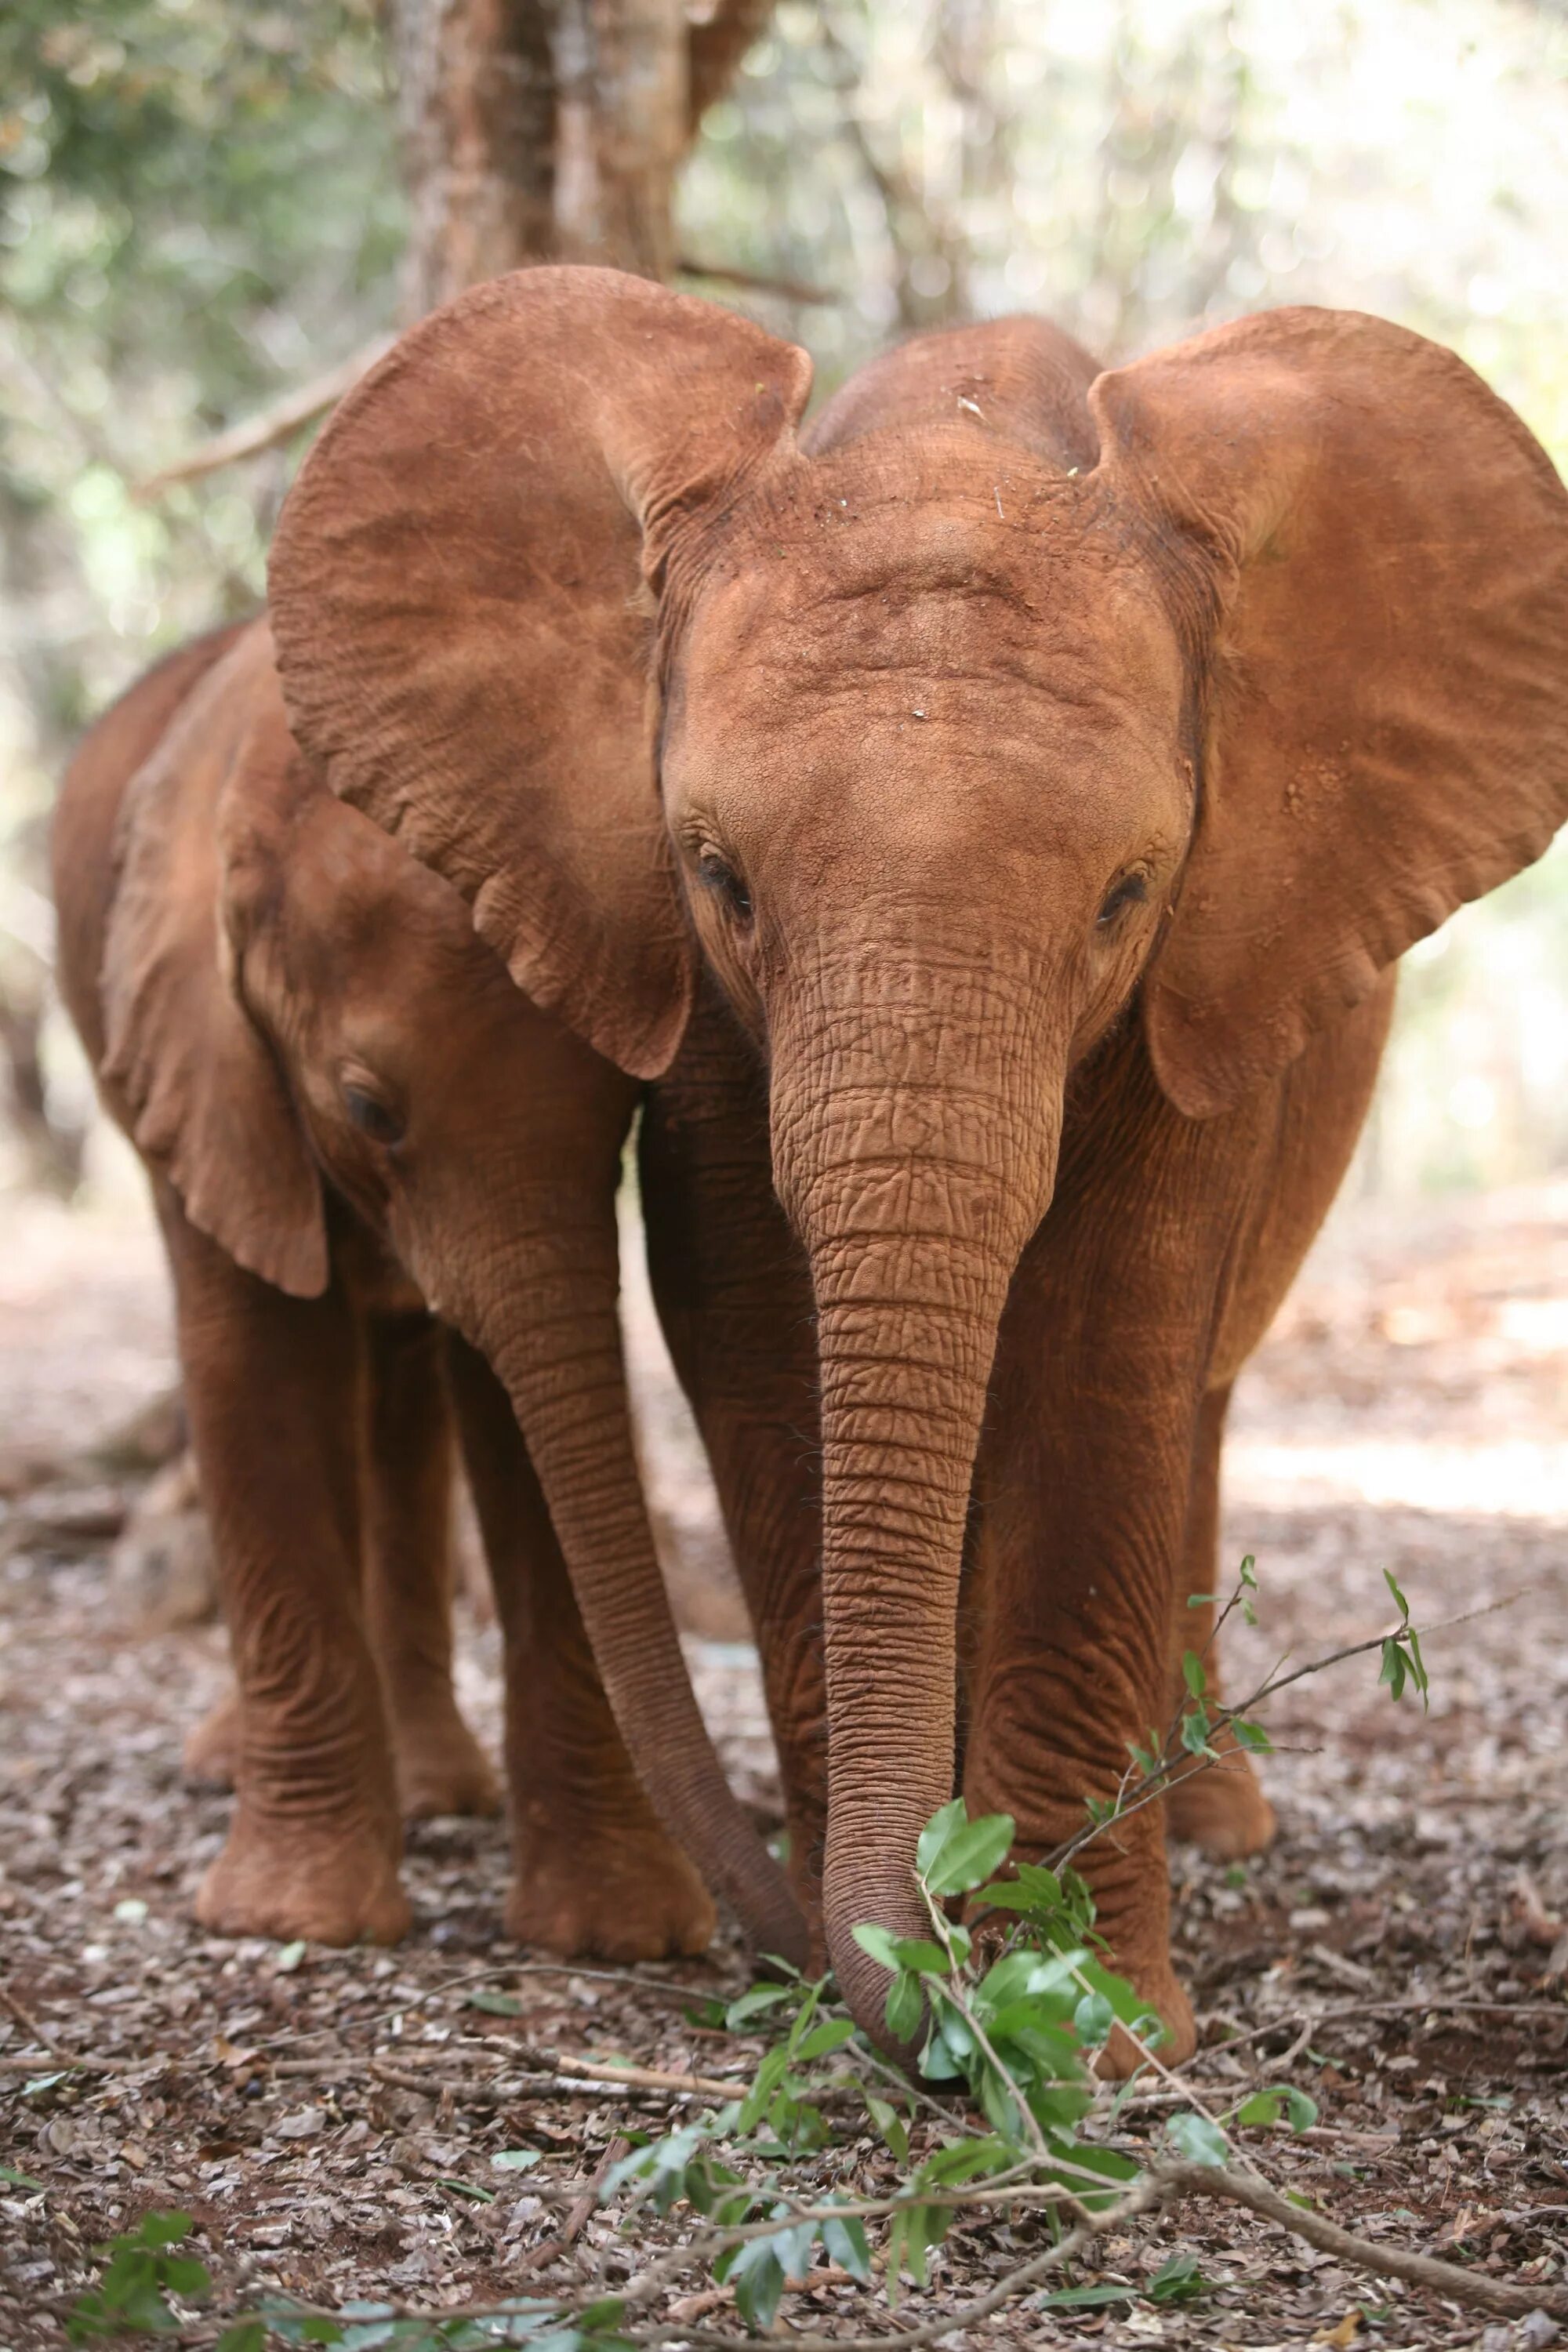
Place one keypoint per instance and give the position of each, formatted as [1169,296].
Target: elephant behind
[354,1126]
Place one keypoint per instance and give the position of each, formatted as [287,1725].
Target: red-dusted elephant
[1050,766]
[355,1125]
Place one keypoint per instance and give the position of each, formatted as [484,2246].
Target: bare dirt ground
[329,2119]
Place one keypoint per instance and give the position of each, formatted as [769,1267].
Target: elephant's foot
[630,1895]
[210,1757]
[304,1882]
[440,1766]
[1222,1809]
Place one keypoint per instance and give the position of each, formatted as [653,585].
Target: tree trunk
[553,129]
[479,103]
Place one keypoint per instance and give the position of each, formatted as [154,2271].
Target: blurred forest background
[203,209]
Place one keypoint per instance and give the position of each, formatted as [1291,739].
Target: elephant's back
[82,837]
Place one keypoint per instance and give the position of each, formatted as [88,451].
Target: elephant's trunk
[554,1343]
[914,1132]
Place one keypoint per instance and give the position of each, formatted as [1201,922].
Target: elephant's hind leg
[440,1766]
[593,1871]
[272,1391]
[1218,1807]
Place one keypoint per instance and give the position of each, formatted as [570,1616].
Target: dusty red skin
[1048,767]
[355,1123]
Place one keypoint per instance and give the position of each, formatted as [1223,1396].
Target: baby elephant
[355,1124]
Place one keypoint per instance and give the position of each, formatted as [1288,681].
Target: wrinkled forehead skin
[908,635]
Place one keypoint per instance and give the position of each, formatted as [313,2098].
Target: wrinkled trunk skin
[916,1110]
[546,1320]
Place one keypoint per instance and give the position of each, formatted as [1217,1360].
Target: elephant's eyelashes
[719,877]
[1131,891]
[372,1116]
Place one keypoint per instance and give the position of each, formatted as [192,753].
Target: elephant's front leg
[440,1766]
[1220,1806]
[272,1388]
[1084,1486]
[734,1298]
[593,1871]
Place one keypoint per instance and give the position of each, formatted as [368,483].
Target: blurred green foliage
[199,207]
[199,210]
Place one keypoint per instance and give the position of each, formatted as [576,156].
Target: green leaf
[1251,1737]
[516,2159]
[1195,1729]
[831,2034]
[1202,1600]
[495,2004]
[1247,1576]
[606,2313]
[18,2179]
[1394,1667]
[1178,2281]
[905,2006]
[247,2335]
[844,2243]
[941,1825]
[940,2060]
[757,2275]
[965,1854]
[1083,2298]
[1260,2110]
[965,2159]
[1417,1668]
[162,2229]
[1301,2108]
[1092,2020]
[468,2188]
[183,2275]
[1193,2136]
[902,1952]
[756,2003]
[1192,1674]
[289,1959]
[1400,1602]
[880,1944]
[887,2119]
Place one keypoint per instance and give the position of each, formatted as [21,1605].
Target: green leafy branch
[1193,1741]
[1013,2117]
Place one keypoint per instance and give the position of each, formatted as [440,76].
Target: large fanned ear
[197,1084]
[1373,554]
[459,593]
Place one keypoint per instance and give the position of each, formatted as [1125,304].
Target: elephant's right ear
[194,1080]
[457,596]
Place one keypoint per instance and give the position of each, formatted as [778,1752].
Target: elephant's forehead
[882,599]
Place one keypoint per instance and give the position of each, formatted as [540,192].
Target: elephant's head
[1012,694]
[289,997]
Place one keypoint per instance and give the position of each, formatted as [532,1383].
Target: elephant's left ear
[1370,555]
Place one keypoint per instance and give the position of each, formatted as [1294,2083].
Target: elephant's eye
[372,1116]
[719,877]
[1131,891]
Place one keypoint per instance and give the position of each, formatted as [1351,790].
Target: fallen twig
[652,2078]
[57,2055]
[1503,2297]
